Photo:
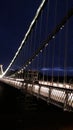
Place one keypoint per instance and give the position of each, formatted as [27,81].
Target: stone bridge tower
[1,69]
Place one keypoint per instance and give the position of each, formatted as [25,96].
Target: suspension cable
[54,32]
[50,37]
[65,55]
[45,49]
[53,50]
[26,35]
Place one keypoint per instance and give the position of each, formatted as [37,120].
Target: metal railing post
[66,101]
[49,95]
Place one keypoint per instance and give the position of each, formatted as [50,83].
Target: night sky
[15,18]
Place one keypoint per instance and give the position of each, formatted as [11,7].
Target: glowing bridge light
[40,50]
[32,59]
[46,45]
[55,84]
[18,72]
[61,28]
[67,86]
[53,37]
[60,85]
[22,70]
[29,62]
[36,55]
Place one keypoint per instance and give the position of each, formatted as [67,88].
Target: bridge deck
[56,93]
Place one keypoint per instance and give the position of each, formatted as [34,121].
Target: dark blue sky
[15,18]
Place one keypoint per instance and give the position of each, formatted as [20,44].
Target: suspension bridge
[42,65]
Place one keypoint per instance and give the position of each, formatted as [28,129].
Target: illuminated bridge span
[43,63]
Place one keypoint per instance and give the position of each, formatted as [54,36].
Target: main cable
[26,35]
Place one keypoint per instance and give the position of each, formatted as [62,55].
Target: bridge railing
[59,96]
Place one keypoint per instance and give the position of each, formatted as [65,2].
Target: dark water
[24,112]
